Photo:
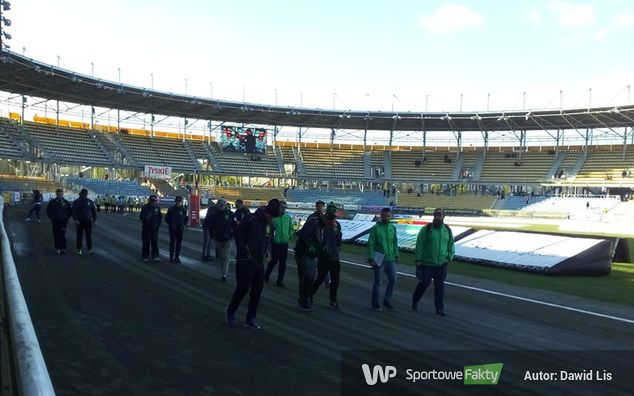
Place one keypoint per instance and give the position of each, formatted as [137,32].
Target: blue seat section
[518,203]
[116,187]
[572,205]
[345,197]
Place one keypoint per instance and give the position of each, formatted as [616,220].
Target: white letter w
[384,373]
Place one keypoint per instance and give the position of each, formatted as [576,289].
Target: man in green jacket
[279,249]
[434,249]
[383,256]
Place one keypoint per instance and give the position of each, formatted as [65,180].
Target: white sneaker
[28,219]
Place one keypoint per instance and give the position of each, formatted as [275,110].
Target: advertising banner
[157,172]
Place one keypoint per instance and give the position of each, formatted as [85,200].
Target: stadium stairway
[457,168]
[557,162]
[279,158]
[477,171]
[109,154]
[582,159]
[387,164]
[192,156]
[299,162]
[212,154]
[108,139]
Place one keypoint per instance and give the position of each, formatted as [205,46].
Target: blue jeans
[390,270]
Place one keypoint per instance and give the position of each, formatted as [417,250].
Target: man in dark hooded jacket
[253,240]
[328,258]
[151,218]
[59,211]
[85,216]
[176,219]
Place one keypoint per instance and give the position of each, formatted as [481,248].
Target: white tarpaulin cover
[351,229]
[536,252]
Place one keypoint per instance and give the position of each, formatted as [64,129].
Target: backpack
[428,227]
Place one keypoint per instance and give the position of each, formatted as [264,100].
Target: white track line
[564,307]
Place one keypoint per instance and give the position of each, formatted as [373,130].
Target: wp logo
[378,372]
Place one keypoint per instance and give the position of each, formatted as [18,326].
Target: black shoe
[224,278]
[177,260]
[251,323]
[280,284]
[334,305]
[204,258]
[266,279]
[388,306]
[305,307]
[440,312]
[414,306]
[376,307]
[171,260]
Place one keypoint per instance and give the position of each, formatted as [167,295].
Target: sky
[405,55]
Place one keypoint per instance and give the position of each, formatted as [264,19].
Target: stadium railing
[30,369]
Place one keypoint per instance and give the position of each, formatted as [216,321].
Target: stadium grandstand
[526,211]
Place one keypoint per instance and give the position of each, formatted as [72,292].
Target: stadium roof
[22,75]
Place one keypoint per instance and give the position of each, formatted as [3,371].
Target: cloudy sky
[373,55]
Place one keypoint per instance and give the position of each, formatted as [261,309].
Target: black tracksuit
[84,214]
[176,219]
[59,211]
[253,239]
[328,258]
[151,218]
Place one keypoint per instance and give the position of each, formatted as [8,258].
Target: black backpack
[428,227]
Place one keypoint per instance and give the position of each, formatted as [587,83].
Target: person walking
[383,257]
[328,258]
[434,249]
[279,250]
[207,230]
[241,211]
[176,219]
[85,216]
[151,218]
[222,233]
[319,210]
[253,240]
[37,205]
[59,211]
[307,248]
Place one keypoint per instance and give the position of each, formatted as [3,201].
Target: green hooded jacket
[283,229]
[383,239]
[434,246]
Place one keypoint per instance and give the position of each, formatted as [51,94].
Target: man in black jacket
[253,241]
[151,218]
[176,219]
[85,216]
[328,256]
[307,248]
[241,211]
[59,211]
[37,204]
[222,232]
[207,229]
